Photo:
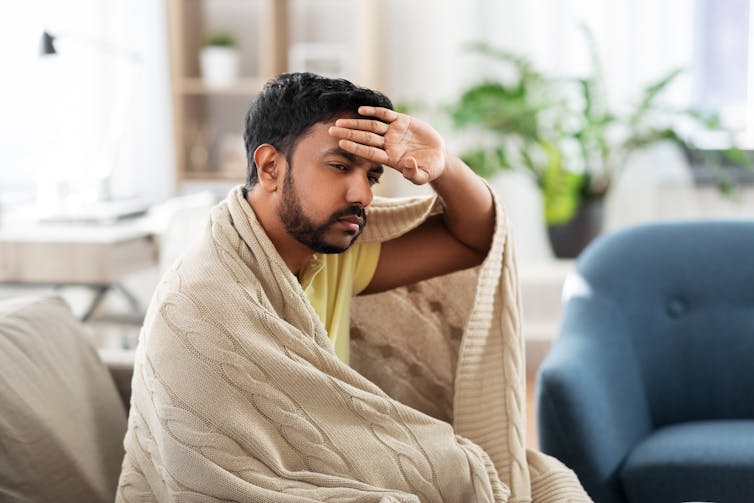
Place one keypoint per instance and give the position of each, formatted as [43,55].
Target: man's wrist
[454,167]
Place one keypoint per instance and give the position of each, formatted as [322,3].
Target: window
[721,64]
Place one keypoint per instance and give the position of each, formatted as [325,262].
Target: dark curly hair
[291,103]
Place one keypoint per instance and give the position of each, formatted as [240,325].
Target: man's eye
[374,180]
[339,167]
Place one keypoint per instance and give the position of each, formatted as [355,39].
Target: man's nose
[359,190]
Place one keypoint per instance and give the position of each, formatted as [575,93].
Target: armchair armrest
[592,407]
[120,363]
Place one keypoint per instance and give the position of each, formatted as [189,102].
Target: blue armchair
[648,391]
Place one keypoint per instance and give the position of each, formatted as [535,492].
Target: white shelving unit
[206,118]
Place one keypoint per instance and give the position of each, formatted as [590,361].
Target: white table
[97,256]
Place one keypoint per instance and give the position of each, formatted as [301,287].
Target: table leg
[99,295]
[133,302]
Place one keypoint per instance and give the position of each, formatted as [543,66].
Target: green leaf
[652,136]
[738,157]
[654,89]
[498,108]
[486,163]
[561,189]
[220,39]
[650,94]
[534,124]
[709,120]
[522,65]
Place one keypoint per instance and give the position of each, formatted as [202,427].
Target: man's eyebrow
[342,153]
[353,158]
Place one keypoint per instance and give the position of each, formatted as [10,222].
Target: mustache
[351,211]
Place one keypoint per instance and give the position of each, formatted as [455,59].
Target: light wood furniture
[74,254]
[95,256]
[201,114]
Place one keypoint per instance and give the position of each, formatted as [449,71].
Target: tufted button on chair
[648,391]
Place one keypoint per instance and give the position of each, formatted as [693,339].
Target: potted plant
[563,132]
[218,59]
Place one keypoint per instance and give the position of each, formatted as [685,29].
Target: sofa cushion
[61,420]
[699,461]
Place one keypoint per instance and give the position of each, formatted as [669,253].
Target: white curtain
[638,40]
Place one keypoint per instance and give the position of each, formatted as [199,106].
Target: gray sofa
[62,409]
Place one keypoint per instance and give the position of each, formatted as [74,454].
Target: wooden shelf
[198,119]
[204,117]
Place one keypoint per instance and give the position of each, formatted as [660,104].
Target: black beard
[304,230]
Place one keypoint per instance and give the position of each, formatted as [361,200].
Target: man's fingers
[371,153]
[385,114]
[411,171]
[372,125]
[363,137]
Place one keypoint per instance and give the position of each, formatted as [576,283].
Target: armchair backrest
[686,293]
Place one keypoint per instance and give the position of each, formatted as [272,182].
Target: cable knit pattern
[238,394]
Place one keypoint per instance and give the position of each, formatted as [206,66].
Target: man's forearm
[469,209]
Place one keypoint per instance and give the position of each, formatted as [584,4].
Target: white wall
[53,114]
[148,165]
[56,110]
[638,41]
[424,39]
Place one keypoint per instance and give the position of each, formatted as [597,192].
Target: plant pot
[218,66]
[569,239]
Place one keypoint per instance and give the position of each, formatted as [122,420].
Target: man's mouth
[353,220]
[352,223]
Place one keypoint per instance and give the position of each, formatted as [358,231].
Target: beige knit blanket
[238,394]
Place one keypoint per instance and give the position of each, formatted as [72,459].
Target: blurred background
[123,125]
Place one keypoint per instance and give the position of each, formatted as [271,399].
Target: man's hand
[399,141]
[457,239]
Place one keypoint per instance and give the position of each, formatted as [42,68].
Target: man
[313,163]
[241,387]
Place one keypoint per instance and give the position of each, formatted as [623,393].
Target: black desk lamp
[120,117]
[47,45]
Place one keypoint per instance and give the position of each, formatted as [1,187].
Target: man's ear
[270,171]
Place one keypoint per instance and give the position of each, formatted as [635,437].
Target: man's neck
[295,255]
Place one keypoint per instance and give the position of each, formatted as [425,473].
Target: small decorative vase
[218,65]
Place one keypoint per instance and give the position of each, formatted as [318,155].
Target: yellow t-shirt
[330,280]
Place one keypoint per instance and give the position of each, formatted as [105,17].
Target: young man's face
[325,192]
